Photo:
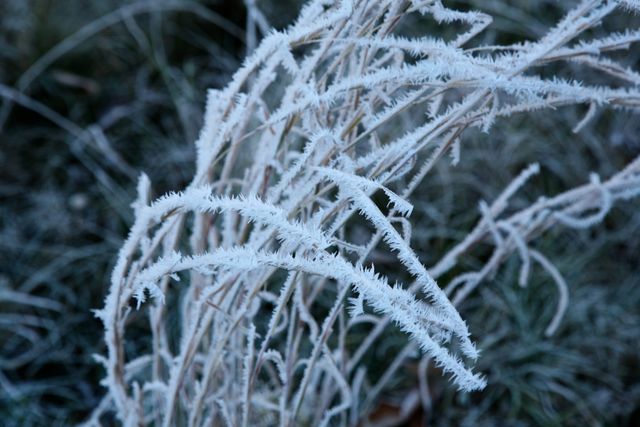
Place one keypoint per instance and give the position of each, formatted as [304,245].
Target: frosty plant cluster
[249,283]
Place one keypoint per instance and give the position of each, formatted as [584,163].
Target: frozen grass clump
[262,286]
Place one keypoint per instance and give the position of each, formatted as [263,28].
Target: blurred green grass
[136,91]
[588,372]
